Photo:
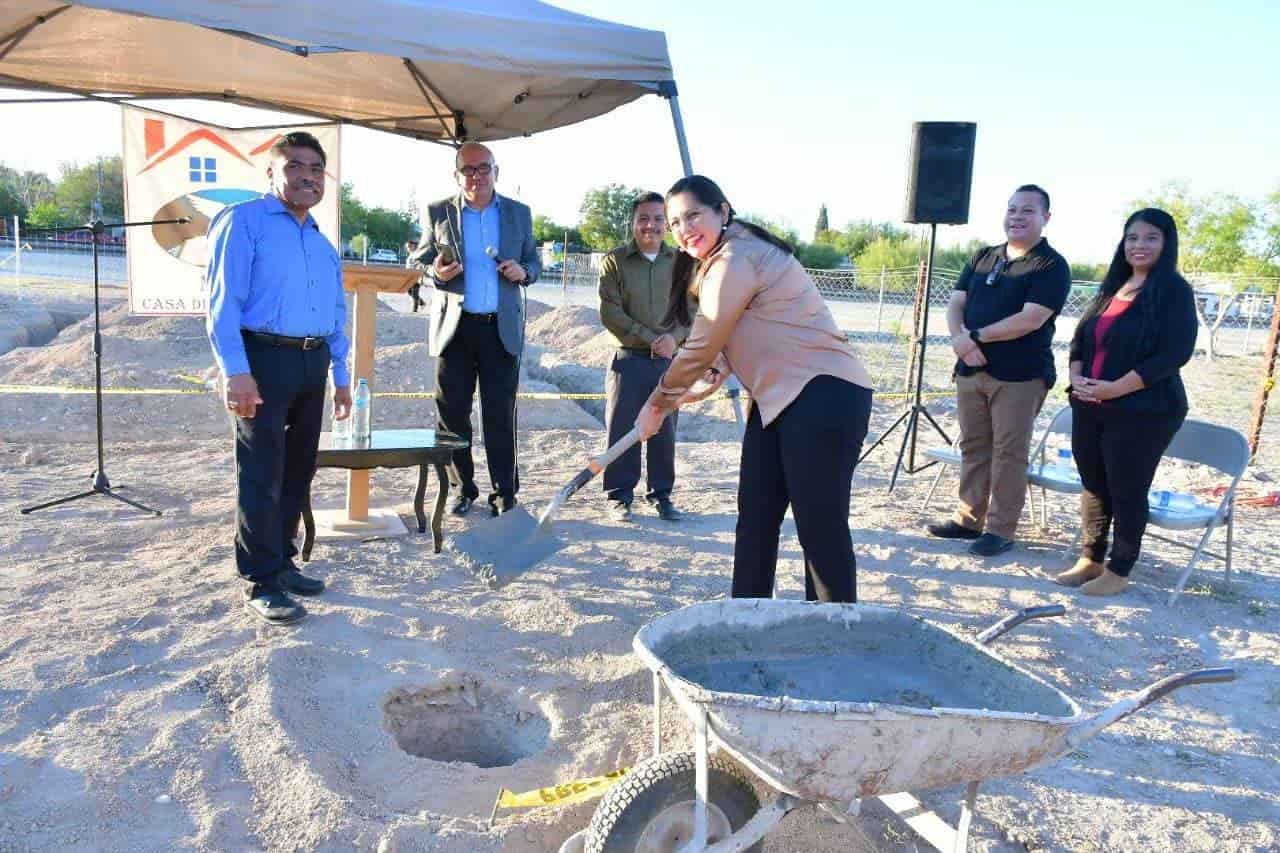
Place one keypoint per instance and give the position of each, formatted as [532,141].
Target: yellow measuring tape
[564,794]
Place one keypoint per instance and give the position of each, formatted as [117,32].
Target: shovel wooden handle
[594,467]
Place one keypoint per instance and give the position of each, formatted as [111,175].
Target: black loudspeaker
[941,172]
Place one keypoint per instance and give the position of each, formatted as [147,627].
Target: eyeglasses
[994,275]
[472,171]
[691,219]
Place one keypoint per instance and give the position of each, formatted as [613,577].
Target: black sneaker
[462,505]
[294,581]
[989,545]
[953,530]
[667,510]
[271,605]
[621,510]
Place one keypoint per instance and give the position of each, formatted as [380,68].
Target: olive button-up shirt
[633,296]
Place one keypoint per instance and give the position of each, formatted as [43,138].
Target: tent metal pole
[12,40]
[681,141]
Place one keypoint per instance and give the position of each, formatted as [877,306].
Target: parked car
[384,256]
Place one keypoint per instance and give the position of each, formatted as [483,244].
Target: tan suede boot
[1084,570]
[1109,583]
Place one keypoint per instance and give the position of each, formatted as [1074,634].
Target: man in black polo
[1001,321]
[635,284]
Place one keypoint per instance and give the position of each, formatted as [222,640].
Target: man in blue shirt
[276,322]
[477,317]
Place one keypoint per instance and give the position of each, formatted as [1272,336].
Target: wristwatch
[973,336]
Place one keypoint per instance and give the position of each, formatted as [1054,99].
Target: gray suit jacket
[515,241]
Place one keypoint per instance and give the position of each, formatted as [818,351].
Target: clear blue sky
[790,105]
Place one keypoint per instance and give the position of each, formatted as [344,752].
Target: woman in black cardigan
[1127,399]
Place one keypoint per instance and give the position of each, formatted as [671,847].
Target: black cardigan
[1156,358]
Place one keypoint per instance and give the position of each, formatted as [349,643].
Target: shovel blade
[500,549]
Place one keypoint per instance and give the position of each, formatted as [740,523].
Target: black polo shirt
[1041,276]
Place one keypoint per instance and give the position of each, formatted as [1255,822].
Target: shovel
[502,548]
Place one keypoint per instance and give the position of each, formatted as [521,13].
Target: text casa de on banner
[174,168]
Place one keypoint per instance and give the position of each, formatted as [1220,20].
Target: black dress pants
[1117,453]
[631,378]
[475,353]
[276,455]
[804,459]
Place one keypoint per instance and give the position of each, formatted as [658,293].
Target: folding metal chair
[1224,450]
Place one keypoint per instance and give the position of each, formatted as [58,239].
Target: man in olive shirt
[635,284]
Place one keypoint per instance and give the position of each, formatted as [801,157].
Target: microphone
[492,253]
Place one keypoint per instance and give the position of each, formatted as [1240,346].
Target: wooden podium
[366,282]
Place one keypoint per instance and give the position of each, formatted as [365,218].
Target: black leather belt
[490,317]
[304,344]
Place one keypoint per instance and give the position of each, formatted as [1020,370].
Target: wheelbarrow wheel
[651,809]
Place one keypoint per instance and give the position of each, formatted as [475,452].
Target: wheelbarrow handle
[1140,699]
[1013,620]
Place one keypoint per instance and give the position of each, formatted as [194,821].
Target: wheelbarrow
[827,705]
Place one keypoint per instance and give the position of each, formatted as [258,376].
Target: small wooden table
[392,448]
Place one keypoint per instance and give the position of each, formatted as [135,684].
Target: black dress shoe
[294,581]
[952,530]
[498,504]
[621,510]
[667,510]
[989,545]
[462,505]
[271,605]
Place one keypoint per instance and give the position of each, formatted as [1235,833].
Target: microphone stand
[100,484]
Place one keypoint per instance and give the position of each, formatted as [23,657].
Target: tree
[352,211]
[606,216]
[46,214]
[953,258]
[80,188]
[30,187]
[887,253]
[1088,272]
[777,229]
[1218,232]
[547,231]
[856,236]
[821,225]
[11,204]
[817,256]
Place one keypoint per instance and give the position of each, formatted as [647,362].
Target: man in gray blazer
[478,248]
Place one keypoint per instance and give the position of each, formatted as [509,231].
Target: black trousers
[476,354]
[1117,454]
[631,379]
[276,455]
[804,459]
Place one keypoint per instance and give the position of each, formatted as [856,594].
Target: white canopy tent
[439,70]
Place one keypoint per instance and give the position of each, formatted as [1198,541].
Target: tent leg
[681,141]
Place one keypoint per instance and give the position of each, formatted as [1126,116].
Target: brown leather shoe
[1083,571]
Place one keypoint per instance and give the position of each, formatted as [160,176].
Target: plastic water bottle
[1172,501]
[362,411]
[342,430]
[1066,465]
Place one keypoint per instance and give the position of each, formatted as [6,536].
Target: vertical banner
[174,167]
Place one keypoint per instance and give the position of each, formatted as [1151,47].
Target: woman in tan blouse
[760,316]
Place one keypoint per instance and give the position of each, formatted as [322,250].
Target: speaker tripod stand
[910,418]
[100,484]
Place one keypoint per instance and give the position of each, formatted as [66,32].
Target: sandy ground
[141,709]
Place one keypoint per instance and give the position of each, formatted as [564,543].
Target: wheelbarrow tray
[842,702]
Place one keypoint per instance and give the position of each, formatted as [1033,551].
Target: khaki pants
[996,421]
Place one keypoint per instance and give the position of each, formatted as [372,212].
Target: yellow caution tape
[564,794]
[423,395]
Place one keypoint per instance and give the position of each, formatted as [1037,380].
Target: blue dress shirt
[268,273]
[480,228]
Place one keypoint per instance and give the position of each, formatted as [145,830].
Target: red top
[1106,320]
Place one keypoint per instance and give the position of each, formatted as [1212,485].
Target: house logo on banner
[174,168]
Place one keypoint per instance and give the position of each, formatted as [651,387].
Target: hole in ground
[462,720]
